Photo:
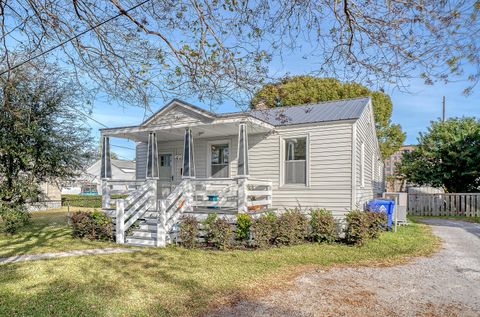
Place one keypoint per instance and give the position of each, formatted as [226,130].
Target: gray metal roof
[345,109]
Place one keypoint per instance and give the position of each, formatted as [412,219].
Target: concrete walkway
[51,255]
[446,284]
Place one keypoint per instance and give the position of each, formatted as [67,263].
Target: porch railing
[133,208]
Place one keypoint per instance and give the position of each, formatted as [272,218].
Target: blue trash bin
[379,205]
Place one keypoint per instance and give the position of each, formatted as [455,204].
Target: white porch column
[105,172]
[152,157]
[188,157]
[242,151]
[242,168]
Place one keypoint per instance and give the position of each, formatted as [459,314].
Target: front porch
[197,169]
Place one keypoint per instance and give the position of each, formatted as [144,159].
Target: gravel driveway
[446,284]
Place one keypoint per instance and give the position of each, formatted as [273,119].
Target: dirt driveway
[446,284]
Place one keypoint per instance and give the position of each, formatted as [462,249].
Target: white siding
[365,133]
[329,163]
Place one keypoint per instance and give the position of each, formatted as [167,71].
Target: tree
[141,49]
[447,156]
[41,136]
[300,90]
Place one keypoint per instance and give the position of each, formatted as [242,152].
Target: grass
[458,218]
[47,232]
[178,282]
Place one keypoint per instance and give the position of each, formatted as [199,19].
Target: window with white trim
[362,164]
[295,169]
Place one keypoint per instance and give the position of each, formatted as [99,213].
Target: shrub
[244,222]
[323,226]
[188,231]
[13,218]
[377,223]
[221,234]
[357,227]
[264,229]
[292,227]
[93,226]
[207,224]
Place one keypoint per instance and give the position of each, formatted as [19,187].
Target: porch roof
[170,121]
[175,132]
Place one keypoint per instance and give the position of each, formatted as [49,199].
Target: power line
[89,117]
[74,37]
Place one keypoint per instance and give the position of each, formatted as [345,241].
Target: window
[219,160]
[362,164]
[296,161]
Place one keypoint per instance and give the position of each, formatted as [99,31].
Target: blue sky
[413,109]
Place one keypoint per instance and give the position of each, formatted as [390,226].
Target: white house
[89,182]
[322,155]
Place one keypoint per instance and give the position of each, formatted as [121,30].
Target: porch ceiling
[176,133]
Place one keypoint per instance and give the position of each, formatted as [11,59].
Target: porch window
[296,161]
[220,154]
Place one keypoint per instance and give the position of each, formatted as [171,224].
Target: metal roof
[123,164]
[344,109]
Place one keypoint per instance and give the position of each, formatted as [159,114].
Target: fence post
[105,195]
[120,221]
[242,199]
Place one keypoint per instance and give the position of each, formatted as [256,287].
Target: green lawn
[47,232]
[172,281]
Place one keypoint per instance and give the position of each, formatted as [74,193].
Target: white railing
[258,194]
[171,209]
[215,193]
[119,187]
[133,207]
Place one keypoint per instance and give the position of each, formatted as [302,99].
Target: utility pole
[443,109]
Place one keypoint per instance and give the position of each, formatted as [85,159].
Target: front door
[166,174]
[219,160]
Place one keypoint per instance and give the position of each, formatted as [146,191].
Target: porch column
[152,157]
[242,168]
[188,157]
[105,171]
[242,161]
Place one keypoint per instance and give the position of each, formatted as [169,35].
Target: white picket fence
[444,204]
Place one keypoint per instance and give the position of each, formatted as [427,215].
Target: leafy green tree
[447,155]
[300,90]
[41,136]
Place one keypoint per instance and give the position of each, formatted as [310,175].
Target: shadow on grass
[46,232]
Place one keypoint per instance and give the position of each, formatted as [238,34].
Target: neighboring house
[51,198]
[89,182]
[322,155]
[394,183]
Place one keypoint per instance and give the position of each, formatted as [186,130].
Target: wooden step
[140,241]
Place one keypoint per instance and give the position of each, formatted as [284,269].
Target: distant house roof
[124,164]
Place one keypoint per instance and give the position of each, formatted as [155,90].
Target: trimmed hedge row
[93,201]
[289,228]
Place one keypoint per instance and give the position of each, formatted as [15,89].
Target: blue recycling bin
[379,205]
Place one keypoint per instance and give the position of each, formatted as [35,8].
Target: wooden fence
[455,204]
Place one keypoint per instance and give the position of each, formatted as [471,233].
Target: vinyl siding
[329,163]
[365,133]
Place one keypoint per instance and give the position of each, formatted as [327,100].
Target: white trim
[362,164]
[354,165]
[209,156]
[282,139]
